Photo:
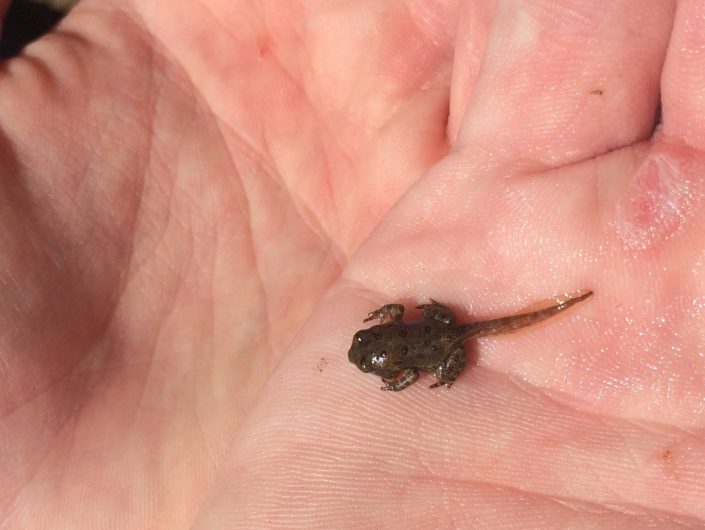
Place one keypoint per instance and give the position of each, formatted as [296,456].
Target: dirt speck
[322,364]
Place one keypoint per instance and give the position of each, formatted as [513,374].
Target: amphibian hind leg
[387,312]
[405,378]
[436,311]
[448,371]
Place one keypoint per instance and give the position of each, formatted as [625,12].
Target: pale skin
[201,199]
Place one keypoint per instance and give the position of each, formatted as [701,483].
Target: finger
[684,76]
[576,79]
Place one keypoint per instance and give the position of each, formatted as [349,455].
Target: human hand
[224,166]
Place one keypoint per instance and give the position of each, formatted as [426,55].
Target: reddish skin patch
[661,197]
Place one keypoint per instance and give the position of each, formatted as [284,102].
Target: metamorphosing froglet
[396,351]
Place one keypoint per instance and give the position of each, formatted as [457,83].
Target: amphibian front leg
[404,379]
[389,311]
[436,311]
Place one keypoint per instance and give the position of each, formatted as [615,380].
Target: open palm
[202,201]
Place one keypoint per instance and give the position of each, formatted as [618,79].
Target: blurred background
[27,20]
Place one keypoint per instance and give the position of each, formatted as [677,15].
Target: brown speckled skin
[397,351]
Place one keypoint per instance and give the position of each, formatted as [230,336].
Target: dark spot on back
[402,333]
[377,335]
[427,329]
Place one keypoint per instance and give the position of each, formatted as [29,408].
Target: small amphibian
[397,351]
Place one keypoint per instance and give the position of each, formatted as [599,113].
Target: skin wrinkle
[430,475]
[139,187]
[245,147]
[10,500]
[606,420]
[421,31]
[208,450]
[320,229]
[40,461]
[51,385]
[254,256]
[601,418]
[169,303]
[323,232]
[634,510]
[550,394]
[261,284]
[571,502]
[289,74]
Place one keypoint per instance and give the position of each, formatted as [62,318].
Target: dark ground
[26,21]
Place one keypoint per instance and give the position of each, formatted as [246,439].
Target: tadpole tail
[515,322]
